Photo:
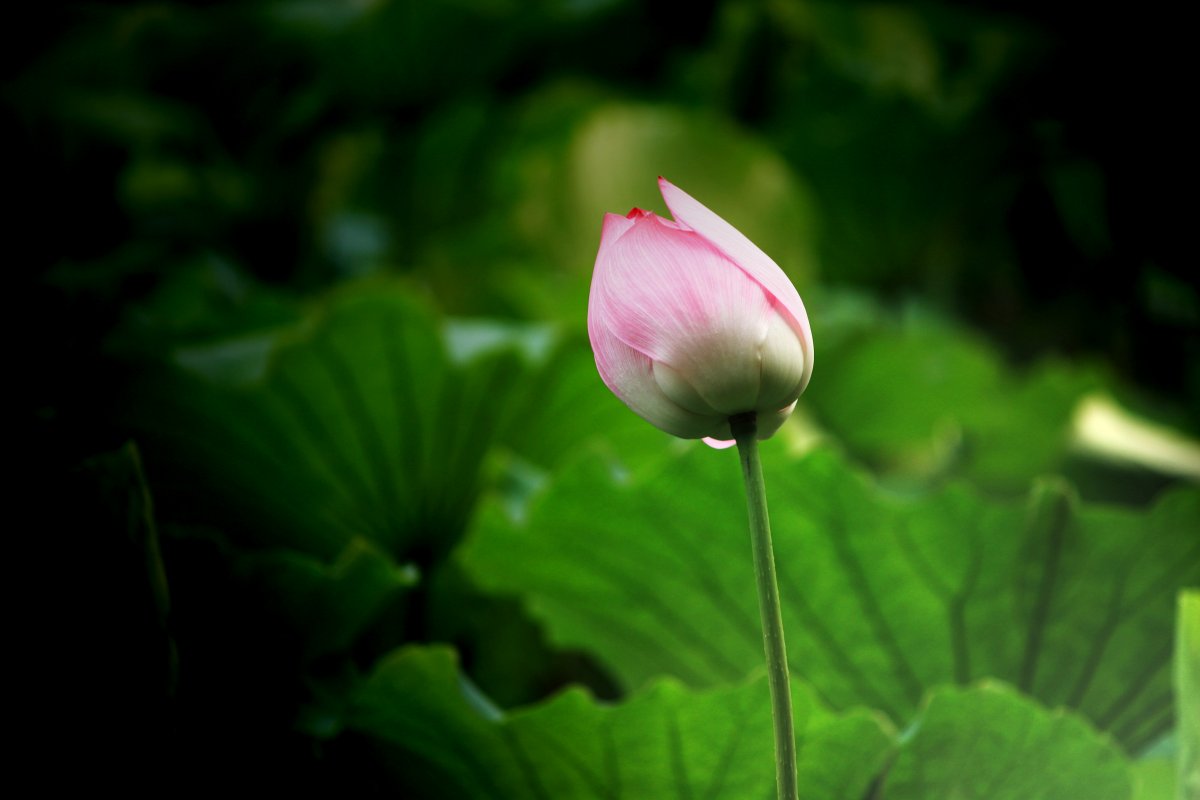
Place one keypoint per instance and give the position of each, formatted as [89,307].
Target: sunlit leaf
[985,742]
[447,741]
[883,596]
[989,743]
[1154,778]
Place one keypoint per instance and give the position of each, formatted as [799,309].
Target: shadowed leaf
[331,604]
[356,423]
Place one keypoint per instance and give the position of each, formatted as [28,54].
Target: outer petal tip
[694,215]
[614,226]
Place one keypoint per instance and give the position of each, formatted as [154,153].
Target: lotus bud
[692,324]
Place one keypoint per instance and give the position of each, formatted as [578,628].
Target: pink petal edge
[658,289]
[747,255]
[615,226]
[628,374]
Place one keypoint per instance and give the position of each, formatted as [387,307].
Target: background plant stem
[745,432]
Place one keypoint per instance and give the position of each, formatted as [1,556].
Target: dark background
[182,173]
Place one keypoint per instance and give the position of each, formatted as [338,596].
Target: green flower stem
[745,432]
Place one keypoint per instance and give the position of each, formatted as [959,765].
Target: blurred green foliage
[324,470]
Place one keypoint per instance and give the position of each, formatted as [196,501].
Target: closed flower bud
[691,323]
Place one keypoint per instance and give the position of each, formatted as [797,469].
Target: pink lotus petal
[770,422]
[629,375]
[783,362]
[718,444]
[730,241]
[670,295]
[614,227]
